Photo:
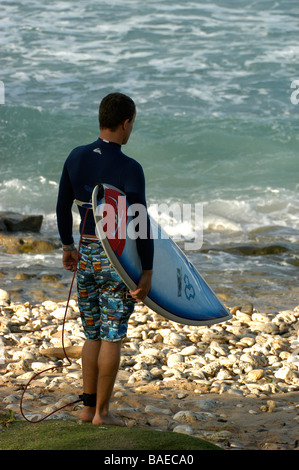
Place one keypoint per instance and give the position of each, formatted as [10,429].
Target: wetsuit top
[85,167]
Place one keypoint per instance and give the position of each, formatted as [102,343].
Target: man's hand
[70,260]
[144,286]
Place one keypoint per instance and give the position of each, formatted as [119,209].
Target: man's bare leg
[108,364]
[90,354]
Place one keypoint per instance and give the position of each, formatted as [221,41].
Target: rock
[176,339]
[287,316]
[247,341]
[250,250]
[14,407]
[14,244]
[263,327]
[15,222]
[77,375]
[189,351]
[224,375]
[11,399]
[49,278]
[2,225]
[73,352]
[206,404]
[140,375]
[247,309]
[66,400]
[183,429]
[39,366]
[185,417]
[56,339]
[152,352]
[149,409]
[23,354]
[270,407]
[35,417]
[211,369]
[216,348]
[49,305]
[256,360]
[235,309]
[255,374]
[60,313]
[284,373]
[293,358]
[4,297]
[174,359]
[158,338]
[23,276]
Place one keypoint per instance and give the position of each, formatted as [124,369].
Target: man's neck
[111,136]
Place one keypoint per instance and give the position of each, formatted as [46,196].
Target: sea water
[216,89]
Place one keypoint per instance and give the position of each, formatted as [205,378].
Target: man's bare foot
[87,414]
[107,419]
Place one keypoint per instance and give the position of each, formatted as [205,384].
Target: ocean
[216,89]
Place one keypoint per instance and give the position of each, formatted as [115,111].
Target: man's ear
[125,123]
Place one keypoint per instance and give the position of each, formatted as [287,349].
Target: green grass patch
[58,434]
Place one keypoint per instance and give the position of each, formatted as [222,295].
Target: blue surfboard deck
[179,293]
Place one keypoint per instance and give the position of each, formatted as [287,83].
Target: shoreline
[235,383]
[36,283]
[32,271]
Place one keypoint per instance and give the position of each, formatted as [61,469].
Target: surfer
[104,301]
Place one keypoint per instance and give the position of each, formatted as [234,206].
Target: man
[103,300]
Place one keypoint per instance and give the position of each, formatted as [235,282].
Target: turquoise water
[215,122]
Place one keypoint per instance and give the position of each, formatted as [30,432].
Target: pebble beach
[216,89]
[235,384]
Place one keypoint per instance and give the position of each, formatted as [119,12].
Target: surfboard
[179,293]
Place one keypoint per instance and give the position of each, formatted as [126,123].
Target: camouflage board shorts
[102,295]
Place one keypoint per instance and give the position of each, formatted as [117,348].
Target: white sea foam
[277,208]
[272,207]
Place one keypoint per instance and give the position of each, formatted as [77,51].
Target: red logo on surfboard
[115,220]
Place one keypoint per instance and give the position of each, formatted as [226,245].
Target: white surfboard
[178,291]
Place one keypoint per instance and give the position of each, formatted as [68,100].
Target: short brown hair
[114,109]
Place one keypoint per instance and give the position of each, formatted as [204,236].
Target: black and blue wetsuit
[85,167]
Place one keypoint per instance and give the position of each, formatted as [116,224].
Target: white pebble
[153,409]
[11,399]
[185,417]
[189,351]
[285,373]
[174,359]
[183,429]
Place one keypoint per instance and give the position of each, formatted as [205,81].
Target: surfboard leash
[86,399]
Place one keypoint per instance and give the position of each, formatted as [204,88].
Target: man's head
[114,110]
